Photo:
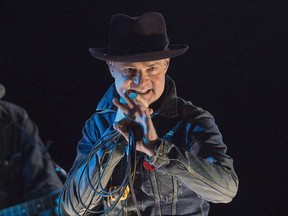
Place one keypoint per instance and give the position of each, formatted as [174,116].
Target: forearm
[213,181]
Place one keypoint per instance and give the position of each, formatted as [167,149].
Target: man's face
[146,79]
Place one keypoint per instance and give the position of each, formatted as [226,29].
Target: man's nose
[139,79]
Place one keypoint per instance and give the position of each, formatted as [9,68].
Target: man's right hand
[135,112]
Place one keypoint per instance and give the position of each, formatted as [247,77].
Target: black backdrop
[235,68]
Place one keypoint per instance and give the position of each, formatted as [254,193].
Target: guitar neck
[33,207]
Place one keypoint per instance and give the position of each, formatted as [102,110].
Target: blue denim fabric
[192,167]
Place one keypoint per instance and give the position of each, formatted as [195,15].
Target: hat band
[135,44]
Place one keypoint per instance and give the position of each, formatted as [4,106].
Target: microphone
[132,96]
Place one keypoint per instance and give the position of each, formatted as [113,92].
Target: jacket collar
[166,105]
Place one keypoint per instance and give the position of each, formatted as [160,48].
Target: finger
[142,106]
[132,113]
[117,103]
[150,111]
[127,111]
[143,101]
[130,102]
[120,105]
[122,128]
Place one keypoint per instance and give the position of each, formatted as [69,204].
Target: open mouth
[140,92]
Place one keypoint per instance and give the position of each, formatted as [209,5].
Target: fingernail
[133,95]
[122,100]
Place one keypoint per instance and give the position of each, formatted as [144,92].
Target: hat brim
[171,52]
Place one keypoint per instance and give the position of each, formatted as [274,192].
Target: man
[29,184]
[173,150]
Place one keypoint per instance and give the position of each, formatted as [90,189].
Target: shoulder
[102,116]
[187,110]
[10,111]
[196,117]
[100,121]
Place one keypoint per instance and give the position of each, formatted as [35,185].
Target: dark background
[235,68]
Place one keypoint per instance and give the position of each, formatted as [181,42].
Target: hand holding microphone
[133,114]
[125,118]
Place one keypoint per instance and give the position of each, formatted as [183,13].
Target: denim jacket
[192,167]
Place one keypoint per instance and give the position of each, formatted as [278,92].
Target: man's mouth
[140,92]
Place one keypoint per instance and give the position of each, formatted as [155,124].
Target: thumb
[150,111]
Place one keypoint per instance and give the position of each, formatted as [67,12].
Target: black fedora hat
[136,39]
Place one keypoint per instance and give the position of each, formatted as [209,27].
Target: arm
[26,154]
[77,190]
[202,164]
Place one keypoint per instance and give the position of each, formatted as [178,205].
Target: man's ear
[111,67]
[166,63]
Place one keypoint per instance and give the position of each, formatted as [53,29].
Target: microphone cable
[108,144]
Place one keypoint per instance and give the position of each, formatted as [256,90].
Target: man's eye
[129,71]
[151,69]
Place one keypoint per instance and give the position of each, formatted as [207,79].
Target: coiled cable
[107,143]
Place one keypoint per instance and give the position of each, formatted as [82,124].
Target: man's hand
[136,113]
[126,124]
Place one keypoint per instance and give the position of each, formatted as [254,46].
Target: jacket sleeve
[32,164]
[200,161]
[79,191]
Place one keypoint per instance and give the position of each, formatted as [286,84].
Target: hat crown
[132,35]
[138,39]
